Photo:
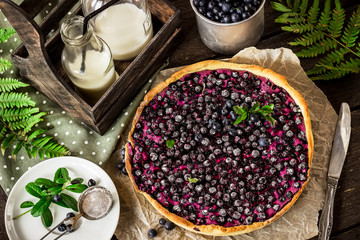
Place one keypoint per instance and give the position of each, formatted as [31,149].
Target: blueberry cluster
[190,157]
[227,11]
[167,224]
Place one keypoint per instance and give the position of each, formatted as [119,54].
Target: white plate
[27,227]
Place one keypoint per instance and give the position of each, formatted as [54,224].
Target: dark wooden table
[347,208]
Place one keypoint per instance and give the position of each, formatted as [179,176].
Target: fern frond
[35,134]
[8,140]
[314,12]
[32,121]
[308,39]
[14,99]
[352,65]
[45,146]
[9,84]
[317,48]
[289,18]
[3,131]
[329,75]
[352,30]
[296,5]
[6,33]
[337,22]
[303,7]
[15,114]
[280,7]
[325,16]
[4,64]
[298,27]
[335,56]
[316,70]
[17,148]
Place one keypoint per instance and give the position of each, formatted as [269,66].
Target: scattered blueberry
[162,221]
[120,165]
[62,227]
[169,225]
[68,227]
[124,171]
[70,215]
[152,233]
[57,198]
[91,182]
[123,152]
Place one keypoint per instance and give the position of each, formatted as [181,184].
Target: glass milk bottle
[86,59]
[125,26]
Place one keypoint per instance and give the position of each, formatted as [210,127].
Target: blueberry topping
[215,171]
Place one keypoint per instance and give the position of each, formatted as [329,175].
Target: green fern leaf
[26,123]
[32,121]
[4,64]
[40,142]
[14,99]
[289,18]
[330,75]
[35,134]
[44,146]
[325,16]
[298,27]
[10,84]
[3,131]
[9,139]
[317,48]
[316,70]
[314,12]
[309,38]
[350,66]
[6,33]
[17,148]
[335,56]
[280,7]
[352,30]
[28,150]
[303,7]
[15,114]
[337,22]
[296,5]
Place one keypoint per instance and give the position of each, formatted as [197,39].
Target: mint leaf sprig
[193,180]
[244,113]
[45,190]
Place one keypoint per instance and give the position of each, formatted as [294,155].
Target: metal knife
[337,159]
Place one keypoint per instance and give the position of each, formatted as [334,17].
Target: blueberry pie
[221,148]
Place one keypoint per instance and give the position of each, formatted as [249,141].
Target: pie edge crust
[279,80]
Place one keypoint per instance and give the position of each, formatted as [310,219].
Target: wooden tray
[38,59]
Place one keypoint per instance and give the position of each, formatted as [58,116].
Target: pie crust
[279,80]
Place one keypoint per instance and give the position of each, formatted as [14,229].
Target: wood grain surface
[347,208]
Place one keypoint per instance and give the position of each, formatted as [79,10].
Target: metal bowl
[230,38]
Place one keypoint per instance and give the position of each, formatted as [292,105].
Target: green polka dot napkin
[67,130]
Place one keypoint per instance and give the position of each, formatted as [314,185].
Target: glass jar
[86,59]
[125,26]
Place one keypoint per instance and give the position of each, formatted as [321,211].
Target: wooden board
[40,61]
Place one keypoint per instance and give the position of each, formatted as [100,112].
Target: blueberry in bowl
[220,172]
[227,26]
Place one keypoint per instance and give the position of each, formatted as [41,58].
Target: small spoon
[93,204]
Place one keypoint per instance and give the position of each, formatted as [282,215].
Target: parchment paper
[137,216]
